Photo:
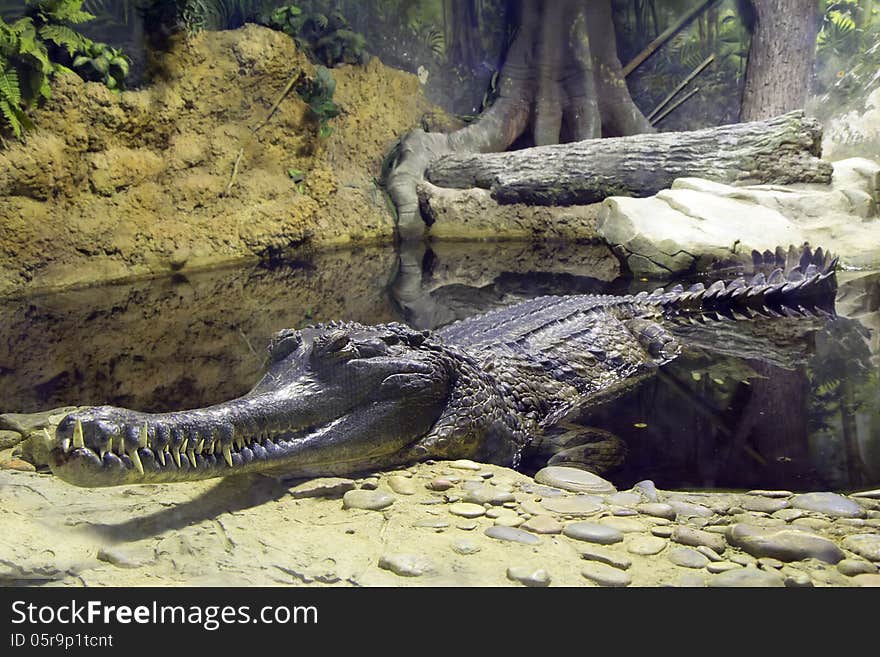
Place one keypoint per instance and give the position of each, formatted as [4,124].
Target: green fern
[59,11]
[65,37]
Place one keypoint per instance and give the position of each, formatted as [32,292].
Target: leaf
[9,88]
[11,117]
[64,37]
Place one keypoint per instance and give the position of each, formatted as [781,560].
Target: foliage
[102,63]
[317,93]
[327,38]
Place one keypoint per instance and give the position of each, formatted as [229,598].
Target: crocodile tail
[800,283]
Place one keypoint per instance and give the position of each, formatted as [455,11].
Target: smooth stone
[487,495]
[716,567]
[543,491]
[465,547]
[788,514]
[543,524]
[709,553]
[647,489]
[661,531]
[853,567]
[25,423]
[875,494]
[513,534]
[507,518]
[406,565]
[439,484]
[623,525]
[466,510]
[465,464]
[771,493]
[371,483]
[747,577]
[743,559]
[690,510]
[645,545]
[623,511]
[467,525]
[606,556]
[528,576]
[864,545]
[623,498]
[9,438]
[373,500]
[768,563]
[811,523]
[867,580]
[687,558]
[694,537]
[829,504]
[533,508]
[593,532]
[575,505]
[605,575]
[402,485]
[574,479]
[783,544]
[431,524]
[657,510]
[324,487]
[763,504]
[17,464]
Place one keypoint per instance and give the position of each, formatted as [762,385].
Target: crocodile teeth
[200,446]
[78,435]
[160,454]
[191,455]
[142,436]
[175,453]
[136,459]
[227,455]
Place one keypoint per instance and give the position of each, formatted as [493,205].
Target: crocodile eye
[284,343]
[371,348]
[332,346]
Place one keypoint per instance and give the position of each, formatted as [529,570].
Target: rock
[465,547]
[871,494]
[606,556]
[657,510]
[788,514]
[17,464]
[324,487]
[623,525]
[402,485]
[27,423]
[465,464]
[370,483]
[829,504]
[690,510]
[694,537]
[646,489]
[593,533]
[488,495]
[118,558]
[687,558]
[623,498]
[661,531]
[853,567]
[373,500]
[511,534]
[467,525]
[505,517]
[466,510]
[645,545]
[623,511]
[574,479]
[782,544]
[763,504]
[406,565]
[9,438]
[769,563]
[716,567]
[439,484]
[709,553]
[528,576]
[605,575]
[542,524]
[864,545]
[795,579]
[431,523]
[867,580]
[574,505]
[771,493]
[747,577]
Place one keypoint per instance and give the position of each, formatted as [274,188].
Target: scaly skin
[344,398]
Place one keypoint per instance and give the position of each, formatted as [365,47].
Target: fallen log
[782,150]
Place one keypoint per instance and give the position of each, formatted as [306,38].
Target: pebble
[465,464]
[716,567]
[532,508]
[593,532]
[709,553]
[406,565]
[782,544]
[864,545]
[466,510]
[542,491]
[606,556]
[690,510]
[788,514]
[829,504]
[529,577]
[373,500]
[853,567]
[867,580]
[574,505]
[743,559]
[623,525]
[9,438]
[763,504]
[325,487]
[605,575]
[464,546]
[747,577]
[573,479]
[769,563]
[687,558]
[657,510]
[624,498]
[487,495]
[17,464]
[511,534]
[661,531]
[647,489]
[439,484]
[431,524]
[118,558]
[506,517]
[467,525]
[623,511]
[694,537]
[543,524]
[771,493]
[811,523]
[402,485]
[645,545]
[369,484]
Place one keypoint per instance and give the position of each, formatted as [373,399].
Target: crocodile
[342,398]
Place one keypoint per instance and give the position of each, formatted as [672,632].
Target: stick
[675,105]
[667,34]
[685,82]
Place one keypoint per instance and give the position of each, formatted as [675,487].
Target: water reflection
[792,406]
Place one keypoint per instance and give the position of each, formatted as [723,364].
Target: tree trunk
[463,45]
[782,150]
[780,57]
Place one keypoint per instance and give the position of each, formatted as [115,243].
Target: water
[796,409]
